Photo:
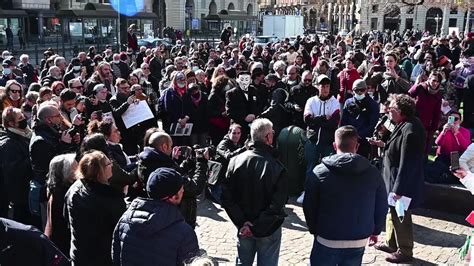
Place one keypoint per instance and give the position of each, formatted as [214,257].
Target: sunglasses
[15,91]
[308,80]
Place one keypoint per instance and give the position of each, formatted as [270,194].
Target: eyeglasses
[308,80]
[15,91]
[456,118]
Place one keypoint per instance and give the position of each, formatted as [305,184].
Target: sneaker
[398,257]
[300,198]
[384,248]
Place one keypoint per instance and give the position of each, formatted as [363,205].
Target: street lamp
[437,19]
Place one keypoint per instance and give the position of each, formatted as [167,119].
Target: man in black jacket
[45,143]
[156,64]
[160,153]
[241,103]
[299,94]
[342,225]
[120,103]
[254,197]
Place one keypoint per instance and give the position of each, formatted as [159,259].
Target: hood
[347,164]
[151,216]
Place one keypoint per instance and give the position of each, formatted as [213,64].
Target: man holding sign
[122,103]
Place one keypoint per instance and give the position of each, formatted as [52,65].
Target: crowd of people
[360,115]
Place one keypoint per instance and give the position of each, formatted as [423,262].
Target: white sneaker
[300,198]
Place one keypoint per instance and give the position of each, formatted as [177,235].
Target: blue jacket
[345,198]
[153,232]
[363,115]
[171,107]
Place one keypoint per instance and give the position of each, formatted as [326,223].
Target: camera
[354,109]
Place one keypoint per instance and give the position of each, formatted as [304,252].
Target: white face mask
[359,97]
[76,68]
[116,61]
[15,96]
[7,71]
[244,82]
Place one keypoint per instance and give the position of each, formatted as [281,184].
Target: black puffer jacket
[92,210]
[22,244]
[153,232]
[255,190]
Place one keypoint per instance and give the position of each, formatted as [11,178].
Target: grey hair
[53,67]
[279,65]
[58,60]
[32,96]
[60,171]
[260,128]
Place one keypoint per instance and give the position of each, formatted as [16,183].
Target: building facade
[435,16]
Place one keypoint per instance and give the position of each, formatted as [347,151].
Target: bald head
[161,141]
[47,110]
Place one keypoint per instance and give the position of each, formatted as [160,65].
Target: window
[373,23]
[409,23]
[454,10]
[453,22]
[375,8]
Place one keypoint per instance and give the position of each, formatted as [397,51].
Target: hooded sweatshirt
[153,232]
[345,200]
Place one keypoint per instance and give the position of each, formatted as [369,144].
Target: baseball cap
[359,84]
[7,63]
[164,182]
[323,79]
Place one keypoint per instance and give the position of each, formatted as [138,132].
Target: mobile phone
[451,120]
[379,69]
[454,161]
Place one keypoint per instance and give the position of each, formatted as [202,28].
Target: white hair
[279,65]
[23,56]
[260,128]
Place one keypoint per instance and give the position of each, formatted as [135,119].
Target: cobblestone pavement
[437,237]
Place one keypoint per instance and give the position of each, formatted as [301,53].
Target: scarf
[27,133]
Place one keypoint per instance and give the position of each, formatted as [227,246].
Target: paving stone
[437,237]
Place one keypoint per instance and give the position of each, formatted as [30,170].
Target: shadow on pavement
[293,222]
[420,262]
[206,208]
[454,218]
[432,237]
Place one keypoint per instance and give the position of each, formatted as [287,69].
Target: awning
[231,15]
[12,13]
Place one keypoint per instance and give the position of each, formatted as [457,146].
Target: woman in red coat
[346,78]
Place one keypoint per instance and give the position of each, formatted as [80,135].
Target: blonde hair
[92,166]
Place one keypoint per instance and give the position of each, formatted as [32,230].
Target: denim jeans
[313,153]
[267,249]
[322,255]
